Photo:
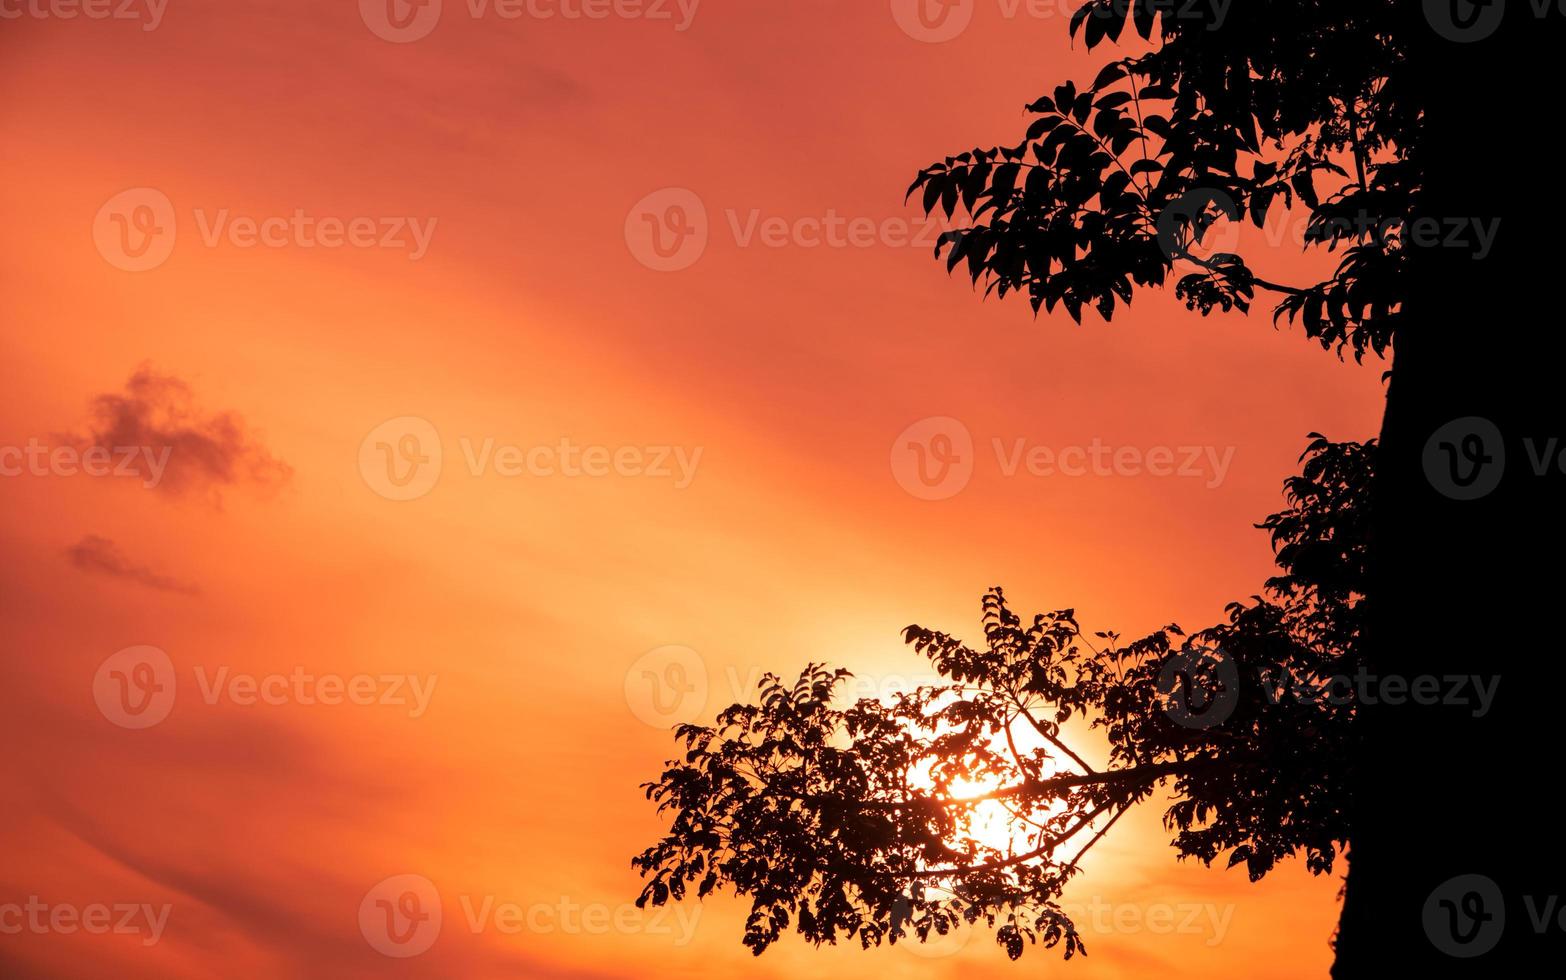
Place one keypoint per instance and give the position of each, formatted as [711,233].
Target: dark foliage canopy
[853,820]
[1232,114]
[839,820]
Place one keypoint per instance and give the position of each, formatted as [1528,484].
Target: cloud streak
[100,556]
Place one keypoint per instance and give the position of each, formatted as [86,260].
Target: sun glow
[992,823]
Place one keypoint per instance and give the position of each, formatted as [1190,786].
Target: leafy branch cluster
[857,821]
[1229,115]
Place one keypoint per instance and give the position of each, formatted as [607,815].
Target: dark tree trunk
[1472,587]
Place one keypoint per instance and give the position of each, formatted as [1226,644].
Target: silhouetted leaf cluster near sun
[858,821]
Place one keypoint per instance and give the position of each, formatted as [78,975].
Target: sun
[993,824]
[990,823]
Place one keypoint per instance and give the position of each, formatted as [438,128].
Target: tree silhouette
[1233,115]
[1404,137]
[859,821]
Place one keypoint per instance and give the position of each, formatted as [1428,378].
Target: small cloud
[101,556]
[155,426]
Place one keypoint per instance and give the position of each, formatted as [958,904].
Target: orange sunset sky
[645,441]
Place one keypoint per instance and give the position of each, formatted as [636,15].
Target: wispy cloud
[100,556]
[181,449]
